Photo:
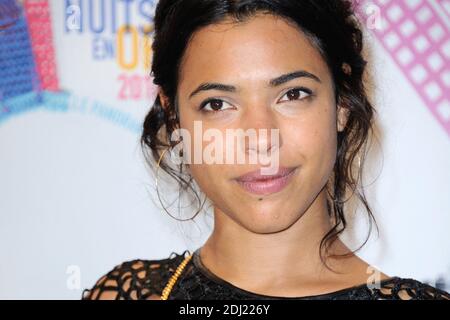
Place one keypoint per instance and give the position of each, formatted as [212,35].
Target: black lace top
[146,279]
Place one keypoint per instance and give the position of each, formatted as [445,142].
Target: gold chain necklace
[174,278]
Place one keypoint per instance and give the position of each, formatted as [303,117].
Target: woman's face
[247,56]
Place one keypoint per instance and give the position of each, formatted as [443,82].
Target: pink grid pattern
[445,4]
[417,37]
[39,24]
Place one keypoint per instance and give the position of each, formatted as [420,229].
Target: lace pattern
[146,279]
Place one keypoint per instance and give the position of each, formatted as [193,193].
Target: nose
[262,134]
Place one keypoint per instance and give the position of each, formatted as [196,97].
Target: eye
[214,105]
[297,94]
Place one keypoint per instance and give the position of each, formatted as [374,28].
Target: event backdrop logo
[416,33]
[27,62]
[120,31]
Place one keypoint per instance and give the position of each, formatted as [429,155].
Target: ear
[163,98]
[342,118]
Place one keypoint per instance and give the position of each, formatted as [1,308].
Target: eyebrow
[273,82]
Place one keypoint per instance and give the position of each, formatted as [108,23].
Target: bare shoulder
[133,280]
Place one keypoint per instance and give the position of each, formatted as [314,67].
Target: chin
[266,222]
[262,228]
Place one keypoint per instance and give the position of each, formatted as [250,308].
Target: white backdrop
[76,198]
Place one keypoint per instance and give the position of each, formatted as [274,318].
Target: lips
[255,182]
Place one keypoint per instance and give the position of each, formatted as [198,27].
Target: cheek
[314,138]
[212,182]
[202,174]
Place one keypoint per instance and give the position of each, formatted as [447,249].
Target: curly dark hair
[332,28]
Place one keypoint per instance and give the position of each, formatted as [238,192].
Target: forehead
[259,48]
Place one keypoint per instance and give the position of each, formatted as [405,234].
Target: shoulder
[392,288]
[398,288]
[135,279]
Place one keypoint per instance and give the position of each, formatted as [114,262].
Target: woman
[294,66]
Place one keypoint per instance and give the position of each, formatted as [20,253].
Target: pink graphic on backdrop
[445,5]
[39,25]
[417,35]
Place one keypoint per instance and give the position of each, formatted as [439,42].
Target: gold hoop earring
[159,197]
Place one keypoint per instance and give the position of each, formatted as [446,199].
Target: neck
[270,260]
